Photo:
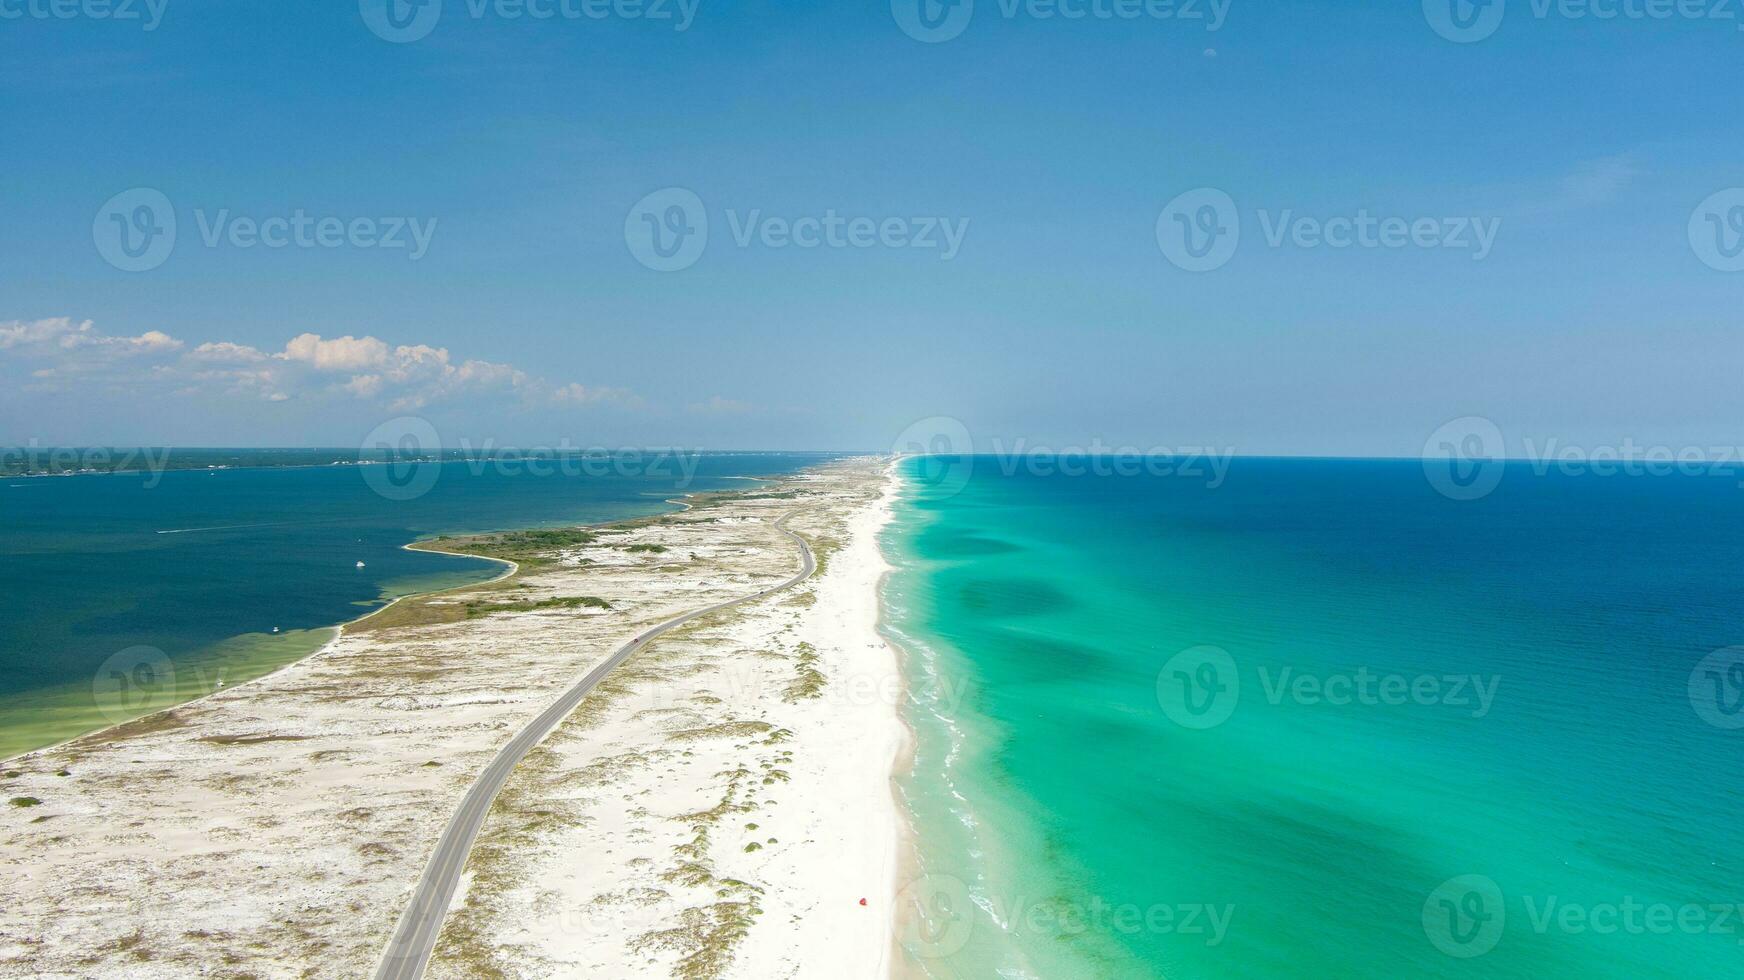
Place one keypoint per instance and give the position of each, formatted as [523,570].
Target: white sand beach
[718,807]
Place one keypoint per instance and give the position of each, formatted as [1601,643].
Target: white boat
[360,564]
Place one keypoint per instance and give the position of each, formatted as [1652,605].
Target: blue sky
[1053,145]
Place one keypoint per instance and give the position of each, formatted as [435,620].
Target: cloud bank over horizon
[322,377]
[68,355]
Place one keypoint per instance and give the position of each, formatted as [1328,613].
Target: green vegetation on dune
[538,547]
[477,608]
[808,681]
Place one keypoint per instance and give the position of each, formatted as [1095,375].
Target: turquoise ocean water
[126,589]
[1115,777]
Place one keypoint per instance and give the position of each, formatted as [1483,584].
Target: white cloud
[364,385]
[225,352]
[406,377]
[345,353]
[62,334]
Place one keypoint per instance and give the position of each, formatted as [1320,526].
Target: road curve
[414,937]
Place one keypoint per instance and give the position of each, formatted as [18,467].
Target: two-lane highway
[415,937]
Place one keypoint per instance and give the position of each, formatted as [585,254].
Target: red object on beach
[862,901]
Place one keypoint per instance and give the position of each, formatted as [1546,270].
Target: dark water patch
[1007,659]
[992,598]
[943,543]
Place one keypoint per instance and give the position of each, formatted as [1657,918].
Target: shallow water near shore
[1434,699]
[131,592]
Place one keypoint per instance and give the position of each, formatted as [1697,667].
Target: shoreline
[286,819]
[338,629]
[907,867]
[754,749]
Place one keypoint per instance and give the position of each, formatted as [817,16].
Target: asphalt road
[415,936]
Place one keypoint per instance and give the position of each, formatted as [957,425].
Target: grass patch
[704,938]
[24,801]
[538,546]
[481,607]
[730,729]
[823,548]
[809,681]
